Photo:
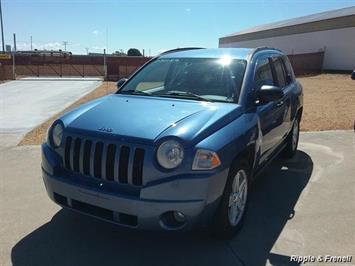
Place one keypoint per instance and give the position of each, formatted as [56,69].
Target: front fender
[233,139]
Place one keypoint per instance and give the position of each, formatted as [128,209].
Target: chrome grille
[108,161]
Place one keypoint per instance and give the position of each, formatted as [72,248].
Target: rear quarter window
[279,71]
[289,68]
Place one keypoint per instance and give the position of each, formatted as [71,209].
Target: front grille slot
[97,159]
[67,152]
[110,161]
[113,162]
[123,168]
[138,167]
[86,159]
[76,154]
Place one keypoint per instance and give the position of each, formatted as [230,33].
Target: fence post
[13,65]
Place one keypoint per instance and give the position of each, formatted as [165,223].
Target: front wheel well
[245,158]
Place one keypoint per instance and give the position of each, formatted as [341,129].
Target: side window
[279,71]
[263,73]
[289,70]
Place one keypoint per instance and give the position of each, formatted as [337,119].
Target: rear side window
[263,73]
[289,70]
[279,71]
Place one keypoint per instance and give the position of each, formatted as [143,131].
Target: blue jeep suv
[180,142]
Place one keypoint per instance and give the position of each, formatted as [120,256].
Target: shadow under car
[74,239]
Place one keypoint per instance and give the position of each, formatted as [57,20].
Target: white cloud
[95,32]
[188,9]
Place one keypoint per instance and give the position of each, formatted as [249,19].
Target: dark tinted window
[289,70]
[263,73]
[280,72]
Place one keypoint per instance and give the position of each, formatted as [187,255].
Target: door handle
[280,103]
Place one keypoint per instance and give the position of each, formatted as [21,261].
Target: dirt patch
[38,134]
[329,103]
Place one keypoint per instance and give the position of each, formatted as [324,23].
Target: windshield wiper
[185,94]
[134,92]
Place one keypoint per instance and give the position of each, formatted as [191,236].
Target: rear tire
[230,215]
[292,139]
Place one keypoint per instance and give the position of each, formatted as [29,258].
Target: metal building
[332,32]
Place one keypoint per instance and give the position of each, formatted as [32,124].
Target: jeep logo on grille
[105,129]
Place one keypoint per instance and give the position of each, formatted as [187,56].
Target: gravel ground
[329,103]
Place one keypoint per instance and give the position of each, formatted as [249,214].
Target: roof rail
[180,49]
[261,48]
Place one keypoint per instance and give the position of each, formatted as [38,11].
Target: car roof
[235,53]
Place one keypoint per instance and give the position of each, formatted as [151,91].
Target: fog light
[179,217]
[172,220]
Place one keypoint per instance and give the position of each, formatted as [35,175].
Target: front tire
[229,217]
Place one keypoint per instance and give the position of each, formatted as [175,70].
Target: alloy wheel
[238,198]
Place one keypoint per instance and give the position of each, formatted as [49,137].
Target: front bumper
[196,196]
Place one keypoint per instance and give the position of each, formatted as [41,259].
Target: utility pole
[31,42]
[87,50]
[15,42]
[2,30]
[13,59]
[65,45]
[105,67]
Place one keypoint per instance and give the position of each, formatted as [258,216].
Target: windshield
[207,79]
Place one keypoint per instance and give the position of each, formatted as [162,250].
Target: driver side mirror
[269,93]
[121,82]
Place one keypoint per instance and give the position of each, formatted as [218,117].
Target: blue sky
[151,25]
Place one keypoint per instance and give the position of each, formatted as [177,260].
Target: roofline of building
[320,25]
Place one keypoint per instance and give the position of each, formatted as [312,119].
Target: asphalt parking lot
[27,102]
[303,206]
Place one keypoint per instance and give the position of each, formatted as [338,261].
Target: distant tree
[120,52]
[133,52]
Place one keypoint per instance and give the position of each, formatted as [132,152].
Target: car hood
[148,119]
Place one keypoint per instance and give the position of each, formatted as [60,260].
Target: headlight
[57,135]
[170,154]
[205,160]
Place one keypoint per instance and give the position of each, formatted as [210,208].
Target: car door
[284,81]
[289,90]
[270,114]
